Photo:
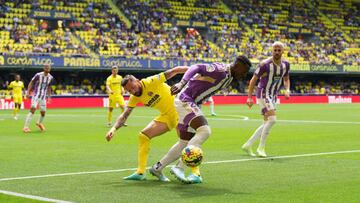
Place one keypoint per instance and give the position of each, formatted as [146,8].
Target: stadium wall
[101,101]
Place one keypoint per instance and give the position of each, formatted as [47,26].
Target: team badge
[150,94]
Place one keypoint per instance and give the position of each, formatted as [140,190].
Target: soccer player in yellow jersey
[114,89]
[152,92]
[17,87]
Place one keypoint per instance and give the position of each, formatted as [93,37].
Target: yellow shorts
[113,100]
[17,99]
[170,118]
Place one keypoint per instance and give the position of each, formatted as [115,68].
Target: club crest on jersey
[150,94]
[210,68]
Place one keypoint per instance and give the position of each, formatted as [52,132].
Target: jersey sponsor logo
[154,100]
[276,79]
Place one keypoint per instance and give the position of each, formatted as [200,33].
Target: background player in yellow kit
[152,92]
[17,87]
[114,89]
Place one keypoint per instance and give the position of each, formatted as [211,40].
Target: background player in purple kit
[39,86]
[271,73]
[198,83]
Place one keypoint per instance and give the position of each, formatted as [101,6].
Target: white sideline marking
[67,174]
[240,118]
[284,157]
[44,199]
[209,162]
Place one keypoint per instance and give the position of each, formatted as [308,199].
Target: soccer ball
[192,156]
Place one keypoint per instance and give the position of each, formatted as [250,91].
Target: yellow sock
[196,170]
[15,111]
[109,116]
[144,146]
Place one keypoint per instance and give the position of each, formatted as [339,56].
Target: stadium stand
[315,32]
[318,32]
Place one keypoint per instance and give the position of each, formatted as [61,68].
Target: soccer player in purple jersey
[39,88]
[271,72]
[198,83]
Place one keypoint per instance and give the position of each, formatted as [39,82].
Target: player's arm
[119,123]
[30,86]
[252,84]
[10,87]
[191,71]
[108,89]
[174,71]
[287,86]
[23,91]
[49,94]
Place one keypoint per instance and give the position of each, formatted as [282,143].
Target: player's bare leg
[153,129]
[122,107]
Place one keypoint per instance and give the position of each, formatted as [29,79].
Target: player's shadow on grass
[183,190]
[199,190]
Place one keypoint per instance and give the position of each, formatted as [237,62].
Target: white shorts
[187,111]
[42,103]
[266,104]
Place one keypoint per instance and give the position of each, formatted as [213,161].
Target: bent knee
[205,130]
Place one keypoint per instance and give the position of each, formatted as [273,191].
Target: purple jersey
[271,77]
[41,84]
[204,80]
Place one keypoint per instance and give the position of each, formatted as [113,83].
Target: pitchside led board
[139,64]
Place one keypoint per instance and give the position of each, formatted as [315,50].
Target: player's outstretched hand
[110,134]
[287,94]
[177,87]
[249,102]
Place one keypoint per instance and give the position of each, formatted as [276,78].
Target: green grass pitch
[74,142]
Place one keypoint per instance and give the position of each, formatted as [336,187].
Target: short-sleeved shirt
[209,79]
[155,94]
[41,84]
[115,84]
[271,76]
[17,87]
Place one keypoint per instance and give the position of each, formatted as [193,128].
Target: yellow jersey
[17,87]
[155,94]
[115,84]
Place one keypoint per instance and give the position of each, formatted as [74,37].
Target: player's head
[17,77]
[240,67]
[47,68]
[132,85]
[277,50]
[114,70]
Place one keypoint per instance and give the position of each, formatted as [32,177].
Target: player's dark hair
[126,79]
[244,60]
[114,67]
